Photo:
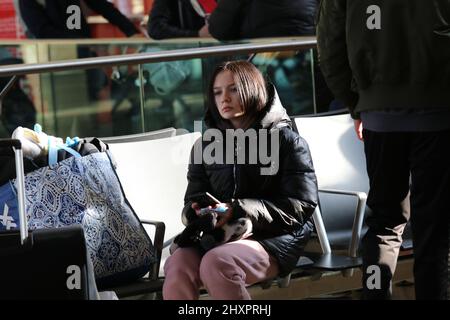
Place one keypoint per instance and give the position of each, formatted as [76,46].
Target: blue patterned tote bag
[86,190]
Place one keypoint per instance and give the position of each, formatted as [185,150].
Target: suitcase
[45,263]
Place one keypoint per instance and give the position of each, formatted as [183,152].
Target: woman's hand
[197,208]
[223,217]
[358,129]
[204,32]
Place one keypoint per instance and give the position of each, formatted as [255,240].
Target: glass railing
[133,98]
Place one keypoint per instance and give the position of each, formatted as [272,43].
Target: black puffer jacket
[279,205]
[173,19]
[247,19]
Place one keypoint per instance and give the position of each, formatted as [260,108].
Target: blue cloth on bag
[53,152]
[86,190]
[9,214]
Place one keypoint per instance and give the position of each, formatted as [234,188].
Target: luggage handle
[16,145]
[6,143]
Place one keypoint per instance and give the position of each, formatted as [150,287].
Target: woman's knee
[217,264]
[182,261]
[182,279]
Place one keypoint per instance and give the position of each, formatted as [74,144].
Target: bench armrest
[158,242]
[359,216]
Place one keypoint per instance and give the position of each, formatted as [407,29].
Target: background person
[249,19]
[16,108]
[389,62]
[279,205]
[46,19]
[175,19]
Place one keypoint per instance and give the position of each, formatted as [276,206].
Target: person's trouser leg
[181,271]
[388,171]
[227,269]
[430,212]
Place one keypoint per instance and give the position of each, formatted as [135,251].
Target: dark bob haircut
[250,85]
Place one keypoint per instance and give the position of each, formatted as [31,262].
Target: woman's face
[227,98]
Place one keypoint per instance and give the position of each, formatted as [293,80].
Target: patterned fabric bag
[86,190]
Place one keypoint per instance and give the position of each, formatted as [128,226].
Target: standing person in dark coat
[247,19]
[48,18]
[278,204]
[389,61]
[175,19]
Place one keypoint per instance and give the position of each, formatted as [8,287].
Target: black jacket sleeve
[110,12]
[295,198]
[39,23]
[164,22]
[197,182]
[333,54]
[226,20]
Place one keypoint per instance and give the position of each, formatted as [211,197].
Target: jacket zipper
[234,171]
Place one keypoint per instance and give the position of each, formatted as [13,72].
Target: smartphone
[204,199]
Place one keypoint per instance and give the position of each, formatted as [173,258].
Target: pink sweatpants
[224,271]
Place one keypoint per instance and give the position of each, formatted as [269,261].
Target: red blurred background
[136,10]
